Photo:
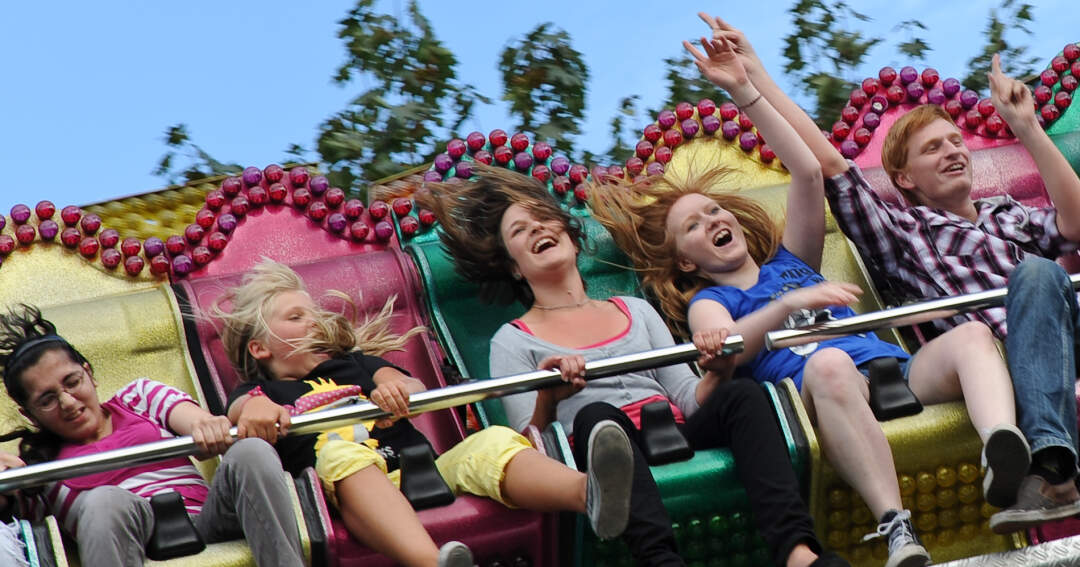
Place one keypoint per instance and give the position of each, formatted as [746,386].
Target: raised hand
[824,294]
[721,66]
[742,47]
[1011,98]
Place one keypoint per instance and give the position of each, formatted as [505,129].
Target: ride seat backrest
[369,279]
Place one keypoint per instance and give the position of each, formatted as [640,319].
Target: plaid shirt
[916,253]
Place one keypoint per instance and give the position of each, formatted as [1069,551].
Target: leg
[112,526]
[250,497]
[535,482]
[738,415]
[648,533]
[835,393]
[1043,323]
[964,363]
[375,512]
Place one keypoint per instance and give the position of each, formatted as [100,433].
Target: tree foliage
[1010,15]
[686,84]
[544,80]
[822,50]
[186,161]
[412,88]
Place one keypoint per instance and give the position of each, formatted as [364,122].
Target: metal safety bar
[889,318]
[431,400]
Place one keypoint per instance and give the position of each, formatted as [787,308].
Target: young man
[943,243]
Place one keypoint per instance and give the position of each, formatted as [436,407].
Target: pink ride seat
[495,533]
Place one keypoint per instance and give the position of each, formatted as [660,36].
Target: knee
[829,374]
[252,455]
[1036,272]
[747,392]
[973,336]
[596,412]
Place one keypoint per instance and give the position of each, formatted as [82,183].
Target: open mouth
[954,168]
[722,238]
[543,244]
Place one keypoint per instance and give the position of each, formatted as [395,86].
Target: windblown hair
[335,333]
[19,326]
[636,216]
[894,150]
[470,215]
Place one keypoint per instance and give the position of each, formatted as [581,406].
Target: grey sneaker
[905,550]
[1006,458]
[610,476]
[455,554]
[1037,501]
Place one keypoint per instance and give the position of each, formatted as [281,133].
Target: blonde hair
[335,333]
[636,216]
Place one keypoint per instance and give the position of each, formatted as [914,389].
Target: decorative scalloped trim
[868,102]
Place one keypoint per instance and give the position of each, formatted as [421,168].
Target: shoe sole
[611,470]
[455,556]
[1008,458]
[909,556]
[1009,521]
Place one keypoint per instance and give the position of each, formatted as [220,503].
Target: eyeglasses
[50,401]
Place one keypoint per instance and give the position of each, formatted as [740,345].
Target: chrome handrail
[431,400]
[910,314]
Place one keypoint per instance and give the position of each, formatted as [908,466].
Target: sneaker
[455,554]
[830,559]
[1037,501]
[1006,458]
[905,550]
[610,476]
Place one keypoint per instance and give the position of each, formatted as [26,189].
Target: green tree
[1014,62]
[185,161]
[398,120]
[914,47]
[544,80]
[623,131]
[822,50]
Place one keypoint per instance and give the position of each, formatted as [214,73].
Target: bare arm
[391,393]
[210,432]
[1013,101]
[832,163]
[709,314]
[804,234]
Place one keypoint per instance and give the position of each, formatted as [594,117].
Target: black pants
[736,415]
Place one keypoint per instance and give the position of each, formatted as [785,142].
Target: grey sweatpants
[249,497]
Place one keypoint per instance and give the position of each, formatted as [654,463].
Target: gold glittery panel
[161,214]
[46,274]
[124,336]
[747,172]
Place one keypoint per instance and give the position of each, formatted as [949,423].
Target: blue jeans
[1043,323]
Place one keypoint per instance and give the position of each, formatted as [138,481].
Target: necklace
[565,306]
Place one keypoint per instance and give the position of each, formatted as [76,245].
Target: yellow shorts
[476,465]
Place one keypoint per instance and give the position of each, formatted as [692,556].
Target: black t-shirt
[323,385]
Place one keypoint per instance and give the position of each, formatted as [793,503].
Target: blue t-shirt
[786,272]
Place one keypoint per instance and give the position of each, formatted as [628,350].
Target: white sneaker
[610,466]
[455,554]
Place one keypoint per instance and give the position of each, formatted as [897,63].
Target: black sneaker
[905,550]
[1006,458]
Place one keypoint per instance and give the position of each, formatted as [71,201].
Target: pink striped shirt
[139,414]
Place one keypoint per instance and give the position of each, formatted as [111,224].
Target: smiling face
[61,396]
[289,318]
[938,169]
[536,246]
[707,237]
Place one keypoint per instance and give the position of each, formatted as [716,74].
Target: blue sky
[90,88]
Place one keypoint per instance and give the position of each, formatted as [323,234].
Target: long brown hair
[470,215]
[635,214]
